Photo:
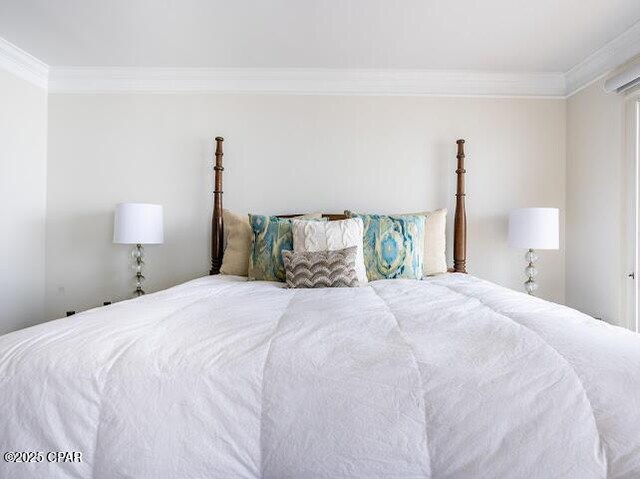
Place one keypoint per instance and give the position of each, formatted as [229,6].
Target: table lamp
[533,228]
[138,224]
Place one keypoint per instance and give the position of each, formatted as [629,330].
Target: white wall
[286,154]
[596,170]
[23,174]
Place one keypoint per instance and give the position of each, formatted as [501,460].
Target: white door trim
[632,202]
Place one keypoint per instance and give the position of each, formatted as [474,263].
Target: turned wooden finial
[460,218]
[217,225]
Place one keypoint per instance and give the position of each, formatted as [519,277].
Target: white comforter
[450,377]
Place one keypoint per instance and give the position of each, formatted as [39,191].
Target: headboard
[459,226]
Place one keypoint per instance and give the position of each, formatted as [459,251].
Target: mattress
[449,377]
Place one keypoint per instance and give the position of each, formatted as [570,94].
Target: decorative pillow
[237,234]
[237,242]
[321,269]
[435,240]
[331,236]
[271,236]
[393,246]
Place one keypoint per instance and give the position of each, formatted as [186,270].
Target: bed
[220,377]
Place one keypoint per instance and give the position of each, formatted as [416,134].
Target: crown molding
[318,81]
[306,81]
[21,64]
[615,53]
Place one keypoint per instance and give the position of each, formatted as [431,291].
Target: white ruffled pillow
[331,236]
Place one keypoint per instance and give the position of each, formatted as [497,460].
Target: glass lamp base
[530,285]
[138,264]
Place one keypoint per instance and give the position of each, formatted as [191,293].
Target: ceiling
[490,35]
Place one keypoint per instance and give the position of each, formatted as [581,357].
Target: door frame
[632,207]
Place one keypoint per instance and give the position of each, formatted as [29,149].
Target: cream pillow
[311,236]
[435,241]
[237,234]
[237,240]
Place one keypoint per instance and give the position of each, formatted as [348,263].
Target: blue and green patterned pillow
[393,246]
[271,236]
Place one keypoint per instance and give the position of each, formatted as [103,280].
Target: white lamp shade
[534,228]
[138,223]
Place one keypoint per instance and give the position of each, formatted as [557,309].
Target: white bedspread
[450,377]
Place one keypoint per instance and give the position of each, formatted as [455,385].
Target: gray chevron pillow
[321,269]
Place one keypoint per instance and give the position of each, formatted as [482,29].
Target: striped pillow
[321,269]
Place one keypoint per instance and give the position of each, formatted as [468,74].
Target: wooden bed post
[459,228]
[217,226]
[460,219]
